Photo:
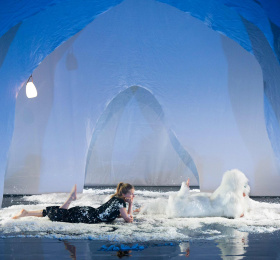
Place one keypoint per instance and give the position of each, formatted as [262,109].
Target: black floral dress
[107,212]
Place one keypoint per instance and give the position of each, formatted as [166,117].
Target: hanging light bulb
[31,91]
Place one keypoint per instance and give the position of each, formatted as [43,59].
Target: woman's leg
[25,213]
[39,213]
[72,196]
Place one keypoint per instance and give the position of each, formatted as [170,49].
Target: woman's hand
[126,216]
[129,219]
[129,200]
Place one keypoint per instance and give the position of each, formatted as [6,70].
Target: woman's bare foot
[188,183]
[22,213]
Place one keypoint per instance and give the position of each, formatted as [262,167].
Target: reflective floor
[256,246]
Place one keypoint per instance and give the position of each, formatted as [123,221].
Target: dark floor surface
[259,246]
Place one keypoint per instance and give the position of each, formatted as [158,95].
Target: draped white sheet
[197,108]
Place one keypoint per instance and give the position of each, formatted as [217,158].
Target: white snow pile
[164,216]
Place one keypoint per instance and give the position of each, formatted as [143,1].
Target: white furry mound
[227,200]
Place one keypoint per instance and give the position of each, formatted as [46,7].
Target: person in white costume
[230,199]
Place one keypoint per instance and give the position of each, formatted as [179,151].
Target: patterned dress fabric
[107,212]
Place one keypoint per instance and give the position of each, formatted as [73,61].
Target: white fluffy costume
[230,199]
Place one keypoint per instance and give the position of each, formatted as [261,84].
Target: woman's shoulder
[118,199]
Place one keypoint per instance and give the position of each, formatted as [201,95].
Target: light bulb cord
[30,78]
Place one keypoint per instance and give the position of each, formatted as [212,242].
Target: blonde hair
[122,188]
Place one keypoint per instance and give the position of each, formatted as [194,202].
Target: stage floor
[256,236]
[258,246]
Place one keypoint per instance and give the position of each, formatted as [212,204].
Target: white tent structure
[143,91]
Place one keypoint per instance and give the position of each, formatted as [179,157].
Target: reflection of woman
[121,253]
[230,199]
[71,249]
[107,212]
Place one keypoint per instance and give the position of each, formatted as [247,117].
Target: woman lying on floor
[107,212]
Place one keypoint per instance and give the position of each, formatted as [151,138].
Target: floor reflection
[231,244]
[121,254]
[185,248]
[71,249]
[234,245]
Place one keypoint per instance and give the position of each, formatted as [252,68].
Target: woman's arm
[127,217]
[129,208]
[130,202]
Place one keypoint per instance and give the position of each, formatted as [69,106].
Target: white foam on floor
[261,218]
